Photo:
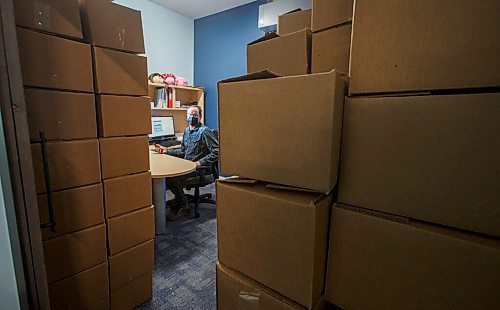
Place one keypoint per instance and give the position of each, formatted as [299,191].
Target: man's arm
[179,151]
[212,143]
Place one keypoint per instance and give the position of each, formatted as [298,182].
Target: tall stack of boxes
[273,227]
[123,116]
[60,103]
[418,219]
[85,265]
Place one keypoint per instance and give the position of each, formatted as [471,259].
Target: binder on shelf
[170,98]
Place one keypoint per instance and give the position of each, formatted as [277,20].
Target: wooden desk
[164,166]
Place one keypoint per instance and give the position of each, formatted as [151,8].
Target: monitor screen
[162,126]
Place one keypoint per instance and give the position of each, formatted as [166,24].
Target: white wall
[169,39]
[9,298]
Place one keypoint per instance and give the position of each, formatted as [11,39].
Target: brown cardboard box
[60,115]
[329,13]
[123,116]
[330,49]
[403,46]
[376,263]
[74,209]
[49,62]
[236,291]
[433,158]
[130,264]
[86,290]
[119,73]
[127,193]
[124,155]
[60,17]
[276,237]
[75,252]
[71,164]
[294,21]
[286,55]
[128,230]
[133,293]
[111,25]
[304,109]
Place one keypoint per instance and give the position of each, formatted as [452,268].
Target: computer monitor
[162,127]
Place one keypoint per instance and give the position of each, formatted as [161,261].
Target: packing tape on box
[41,13]
[248,301]
[121,35]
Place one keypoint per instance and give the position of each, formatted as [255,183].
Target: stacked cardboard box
[60,103]
[273,230]
[418,221]
[123,117]
[331,39]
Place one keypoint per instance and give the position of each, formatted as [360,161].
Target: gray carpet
[185,257]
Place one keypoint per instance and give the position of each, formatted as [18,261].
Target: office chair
[206,175]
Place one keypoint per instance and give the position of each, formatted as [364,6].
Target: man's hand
[197,163]
[160,149]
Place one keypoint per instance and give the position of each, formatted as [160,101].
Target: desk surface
[162,165]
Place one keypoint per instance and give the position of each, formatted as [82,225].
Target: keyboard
[170,143]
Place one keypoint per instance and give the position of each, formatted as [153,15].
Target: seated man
[199,144]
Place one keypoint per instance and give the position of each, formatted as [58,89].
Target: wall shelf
[182,94]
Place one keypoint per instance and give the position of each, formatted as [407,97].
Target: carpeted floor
[185,256]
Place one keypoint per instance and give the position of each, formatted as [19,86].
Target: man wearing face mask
[199,144]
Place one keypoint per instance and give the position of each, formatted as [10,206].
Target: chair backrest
[215,166]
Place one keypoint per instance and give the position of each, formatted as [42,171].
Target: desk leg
[159,200]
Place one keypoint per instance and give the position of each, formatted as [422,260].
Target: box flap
[265,74]
[290,188]
[268,36]
[292,11]
[237,180]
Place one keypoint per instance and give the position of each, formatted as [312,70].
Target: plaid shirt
[199,144]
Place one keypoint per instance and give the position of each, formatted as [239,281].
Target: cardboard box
[119,73]
[71,164]
[124,155]
[235,291]
[74,209]
[133,293]
[276,237]
[294,21]
[75,252]
[123,116]
[304,109]
[330,49]
[131,264]
[86,290]
[60,115]
[427,46]
[330,13]
[127,193]
[49,62]
[377,263]
[60,17]
[286,55]
[433,158]
[131,229]
[111,25]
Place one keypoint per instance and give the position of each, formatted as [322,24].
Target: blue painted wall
[220,50]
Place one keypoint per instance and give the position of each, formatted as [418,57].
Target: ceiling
[200,8]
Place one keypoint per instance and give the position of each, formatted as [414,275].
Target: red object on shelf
[170,98]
